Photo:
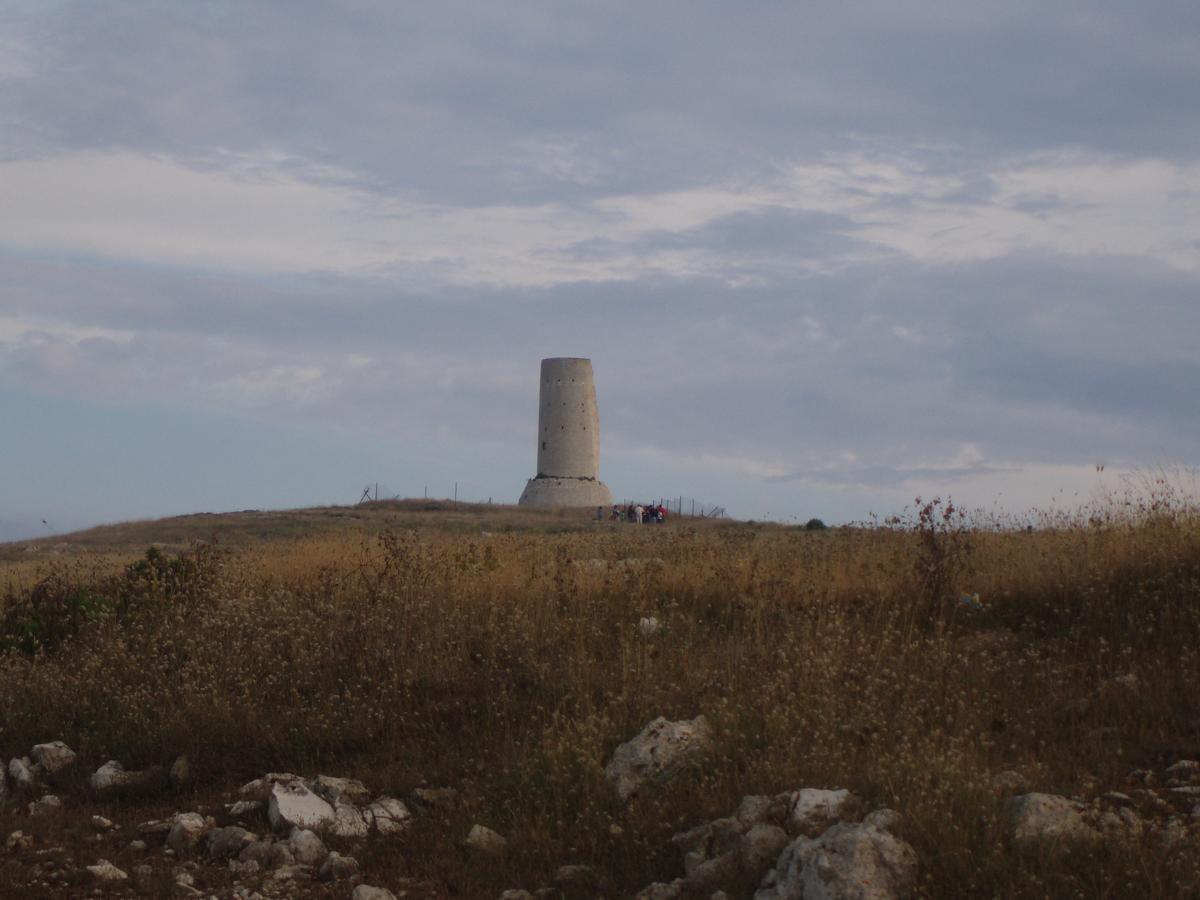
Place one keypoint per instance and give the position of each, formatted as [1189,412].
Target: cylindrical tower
[568,456]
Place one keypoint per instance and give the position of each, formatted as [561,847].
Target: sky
[825,258]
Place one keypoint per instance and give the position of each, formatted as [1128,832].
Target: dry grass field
[498,652]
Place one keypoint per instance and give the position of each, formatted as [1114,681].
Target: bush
[60,606]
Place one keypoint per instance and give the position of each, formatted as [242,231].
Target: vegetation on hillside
[909,662]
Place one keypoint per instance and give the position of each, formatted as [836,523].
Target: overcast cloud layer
[823,261]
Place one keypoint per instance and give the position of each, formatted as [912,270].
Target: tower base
[563,492]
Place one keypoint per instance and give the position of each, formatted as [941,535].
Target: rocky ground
[284,835]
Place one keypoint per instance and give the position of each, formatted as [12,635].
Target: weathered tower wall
[568,456]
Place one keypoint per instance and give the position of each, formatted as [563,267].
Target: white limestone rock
[1184,770]
[812,810]
[307,849]
[292,805]
[258,852]
[387,815]
[260,788]
[155,827]
[663,890]
[18,840]
[106,873]
[1046,817]
[850,861]
[187,829]
[47,804]
[337,867]
[574,878]
[112,779]
[659,752]
[285,874]
[244,807]
[367,892]
[348,821]
[759,848]
[22,774]
[279,856]
[107,777]
[54,757]
[180,772]
[222,843]
[648,626]
[333,790]
[486,841]
[884,819]
[1009,782]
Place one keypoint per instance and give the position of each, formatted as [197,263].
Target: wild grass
[510,666]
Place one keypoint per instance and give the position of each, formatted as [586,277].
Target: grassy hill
[930,666]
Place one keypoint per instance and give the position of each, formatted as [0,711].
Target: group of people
[636,512]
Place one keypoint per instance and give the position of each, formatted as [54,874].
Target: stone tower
[568,457]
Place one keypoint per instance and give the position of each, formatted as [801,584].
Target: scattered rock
[245,807]
[1184,770]
[366,892]
[248,869]
[102,824]
[848,860]
[257,852]
[659,752]
[155,827]
[279,856]
[333,789]
[292,805]
[54,757]
[387,815]
[577,877]
[105,872]
[1009,782]
[759,848]
[229,841]
[18,840]
[22,774]
[813,810]
[186,831]
[516,894]
[307,849]
[113,779]
[336,867]
[884,819]
[46,804]
[290,872]
[485,840]
[1037,817]
[648,626]
[662,890]
[348,821]
[180,773]
[742,846]
[137,846]
[260,788]
[185,885]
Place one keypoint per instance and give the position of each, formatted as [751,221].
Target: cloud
[811,252]
[264,215]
